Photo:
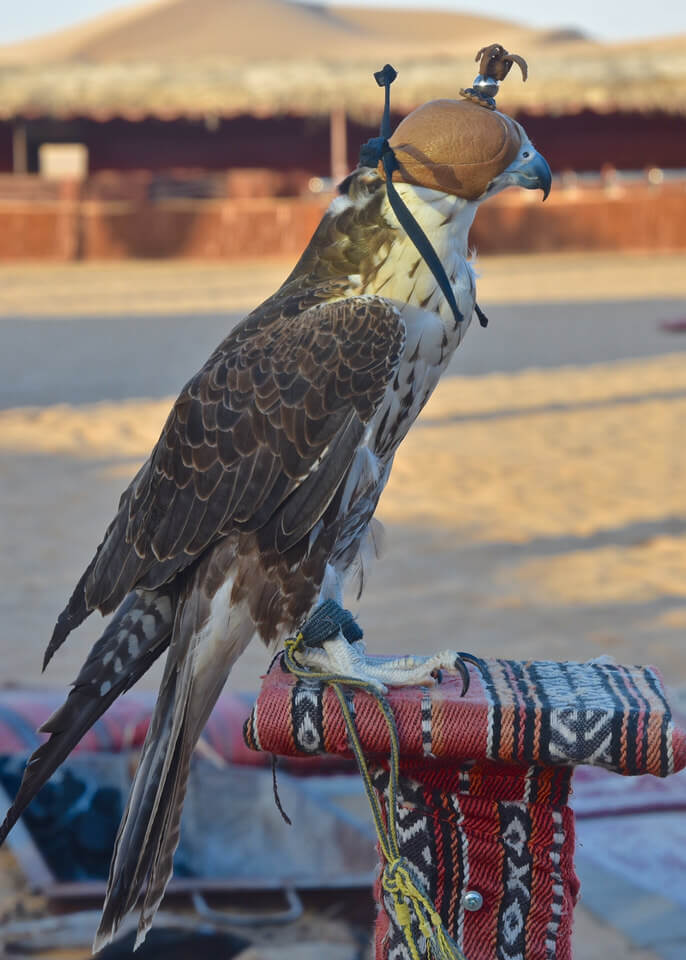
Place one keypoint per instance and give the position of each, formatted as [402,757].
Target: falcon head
[463,149]
[400,225]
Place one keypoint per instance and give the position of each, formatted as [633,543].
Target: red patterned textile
[503,832]
[534,712]
[123,727]
[484,784]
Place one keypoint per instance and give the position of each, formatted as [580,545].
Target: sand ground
[538,513]
[164,287]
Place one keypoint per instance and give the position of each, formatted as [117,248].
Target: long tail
[207,641]
[137,634]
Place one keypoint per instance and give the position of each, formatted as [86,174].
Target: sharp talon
[437,674]
[475,661]
[464,674]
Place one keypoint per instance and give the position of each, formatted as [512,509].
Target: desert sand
[172,287]
[538,513]
[534,514]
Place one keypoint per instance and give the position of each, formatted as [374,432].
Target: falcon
[257,501]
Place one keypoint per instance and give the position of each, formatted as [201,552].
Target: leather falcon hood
[455,146]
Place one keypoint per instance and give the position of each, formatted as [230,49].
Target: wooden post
[339,144]
[20,160]
[69,228]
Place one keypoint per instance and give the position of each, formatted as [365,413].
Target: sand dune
[165,30]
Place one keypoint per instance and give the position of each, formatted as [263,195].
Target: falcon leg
[332,586]
[330,644]
[338,656]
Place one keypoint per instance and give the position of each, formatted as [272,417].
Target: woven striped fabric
[485,780]
[526,713]
[501,832]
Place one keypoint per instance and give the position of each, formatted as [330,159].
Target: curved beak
[532,173]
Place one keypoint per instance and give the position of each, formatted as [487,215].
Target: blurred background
[162,165]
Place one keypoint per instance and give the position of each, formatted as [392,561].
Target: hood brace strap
[379,149]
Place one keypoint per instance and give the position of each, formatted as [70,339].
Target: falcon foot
[331,645]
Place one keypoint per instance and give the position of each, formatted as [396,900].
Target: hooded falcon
[257,500]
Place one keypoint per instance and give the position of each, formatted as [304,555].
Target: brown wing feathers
[244,433]
[253,424]
[259,443]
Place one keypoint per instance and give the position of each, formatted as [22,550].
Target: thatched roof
[220,58]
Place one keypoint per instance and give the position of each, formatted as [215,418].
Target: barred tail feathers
[137,634]
[204,648]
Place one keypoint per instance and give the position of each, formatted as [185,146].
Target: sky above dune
[607,20]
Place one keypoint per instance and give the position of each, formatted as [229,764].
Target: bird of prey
[257,501]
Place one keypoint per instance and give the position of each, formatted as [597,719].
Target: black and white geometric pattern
[416,843]
[515,833]
[427,734]
[547,703]
[307,720]
[558,893]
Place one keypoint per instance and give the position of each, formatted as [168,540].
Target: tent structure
[217,70]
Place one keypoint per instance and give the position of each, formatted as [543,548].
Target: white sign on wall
[63,161]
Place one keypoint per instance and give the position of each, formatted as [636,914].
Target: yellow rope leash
[397,879]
